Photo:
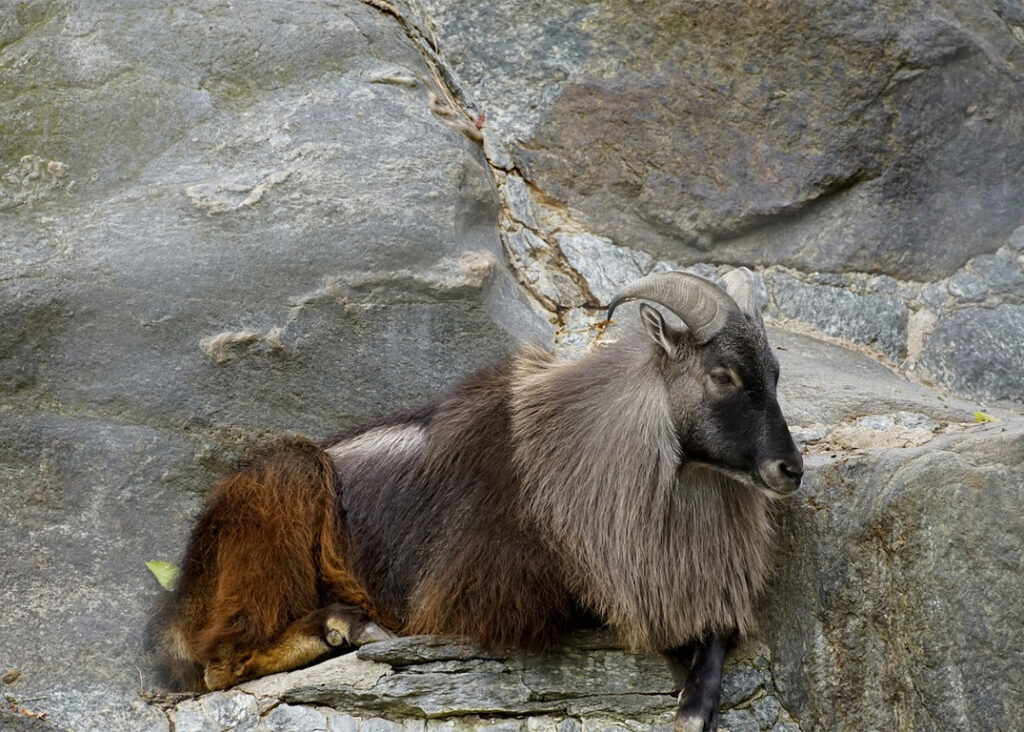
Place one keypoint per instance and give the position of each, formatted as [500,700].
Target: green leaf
[982,417]
[165,572]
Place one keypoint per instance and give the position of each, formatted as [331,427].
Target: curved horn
[698,302]
[739,285]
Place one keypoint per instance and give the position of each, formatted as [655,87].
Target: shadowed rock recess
[222,221]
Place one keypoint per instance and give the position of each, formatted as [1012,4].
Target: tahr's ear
[660,332]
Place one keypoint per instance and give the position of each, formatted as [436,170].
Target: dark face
[723,396]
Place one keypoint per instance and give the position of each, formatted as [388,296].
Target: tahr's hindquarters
[264,584]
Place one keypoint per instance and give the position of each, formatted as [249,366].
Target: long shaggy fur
[535,493]
[441,543]
[661,551]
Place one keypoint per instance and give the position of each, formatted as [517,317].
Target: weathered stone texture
[821,135]
[968,287]
[429,683]
[899,603]
[979,351]
[216,221]
[221,221]
[876,320]
[1001,273]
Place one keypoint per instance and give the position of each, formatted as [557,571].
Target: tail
[268,549]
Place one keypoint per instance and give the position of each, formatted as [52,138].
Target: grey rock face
[933,296]
[896,605]
[1002,274]
[216,223]
[739,721]
[874,319]
[739,684]
[766,711]
[759,134]
[968,287]
[605,267]
[553,287]
[1017,239]
[980,351]
[285,718]
[417,683]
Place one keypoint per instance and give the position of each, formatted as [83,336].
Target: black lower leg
[699,700]
[680,663]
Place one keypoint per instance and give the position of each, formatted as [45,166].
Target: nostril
[791,472]
[781,476]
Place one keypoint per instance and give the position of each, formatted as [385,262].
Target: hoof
[371,633]
[336,631]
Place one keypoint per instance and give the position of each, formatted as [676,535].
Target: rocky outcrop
[827,136]
[846,150]
[224,221]
[431,684]
[899,602]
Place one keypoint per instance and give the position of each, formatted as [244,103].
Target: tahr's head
[720,376]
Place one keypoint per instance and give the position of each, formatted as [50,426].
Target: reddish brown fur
[263,557]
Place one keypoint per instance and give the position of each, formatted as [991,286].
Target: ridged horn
[739,285]
[698,302]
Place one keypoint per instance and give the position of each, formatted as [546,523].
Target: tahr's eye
[721,376]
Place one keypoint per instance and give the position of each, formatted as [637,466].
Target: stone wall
[220,221]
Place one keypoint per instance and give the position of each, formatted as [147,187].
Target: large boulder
[882,136]
[865,154]
[899,602]
[217,222]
